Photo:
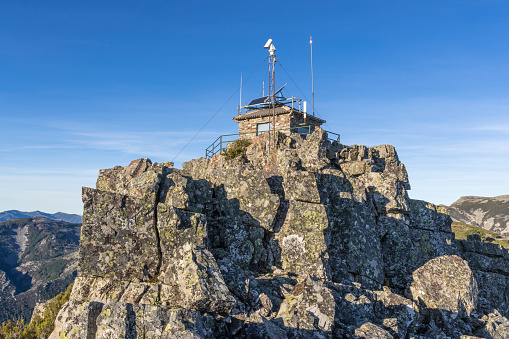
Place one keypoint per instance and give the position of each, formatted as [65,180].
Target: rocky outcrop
[490,213]
[304,238]
[497,327]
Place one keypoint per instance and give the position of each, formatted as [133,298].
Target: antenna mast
[240,101]
[272,88]
[312,80]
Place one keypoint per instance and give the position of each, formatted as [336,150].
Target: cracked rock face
[307,238]
[309,305]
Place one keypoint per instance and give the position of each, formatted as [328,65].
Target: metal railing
[220,144]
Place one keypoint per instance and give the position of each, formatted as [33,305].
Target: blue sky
[95,84]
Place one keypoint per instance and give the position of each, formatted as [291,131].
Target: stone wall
[283,121]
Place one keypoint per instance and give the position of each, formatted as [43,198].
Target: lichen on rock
[445,283]
[301,237]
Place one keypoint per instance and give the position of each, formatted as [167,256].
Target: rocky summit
[299,238]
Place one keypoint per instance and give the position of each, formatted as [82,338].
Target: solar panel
[258,101]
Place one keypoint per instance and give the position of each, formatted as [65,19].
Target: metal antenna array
[272,90]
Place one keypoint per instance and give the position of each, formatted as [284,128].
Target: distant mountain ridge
[490,213]
[38,260]
[13,214]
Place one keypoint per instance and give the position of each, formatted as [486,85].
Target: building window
[304,130]
[261,128]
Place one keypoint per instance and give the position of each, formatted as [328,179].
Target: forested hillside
[38,260]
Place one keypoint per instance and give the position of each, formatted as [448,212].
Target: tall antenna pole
[240,101]
[272,99]
[312,80]
[272,90]
[273,87]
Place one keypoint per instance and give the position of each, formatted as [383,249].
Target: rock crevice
[306,238]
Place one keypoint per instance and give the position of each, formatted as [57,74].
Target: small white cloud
[502,128]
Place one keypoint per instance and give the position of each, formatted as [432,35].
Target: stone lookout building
[273,112]
[290,115]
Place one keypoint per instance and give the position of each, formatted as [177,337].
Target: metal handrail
[217,145]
